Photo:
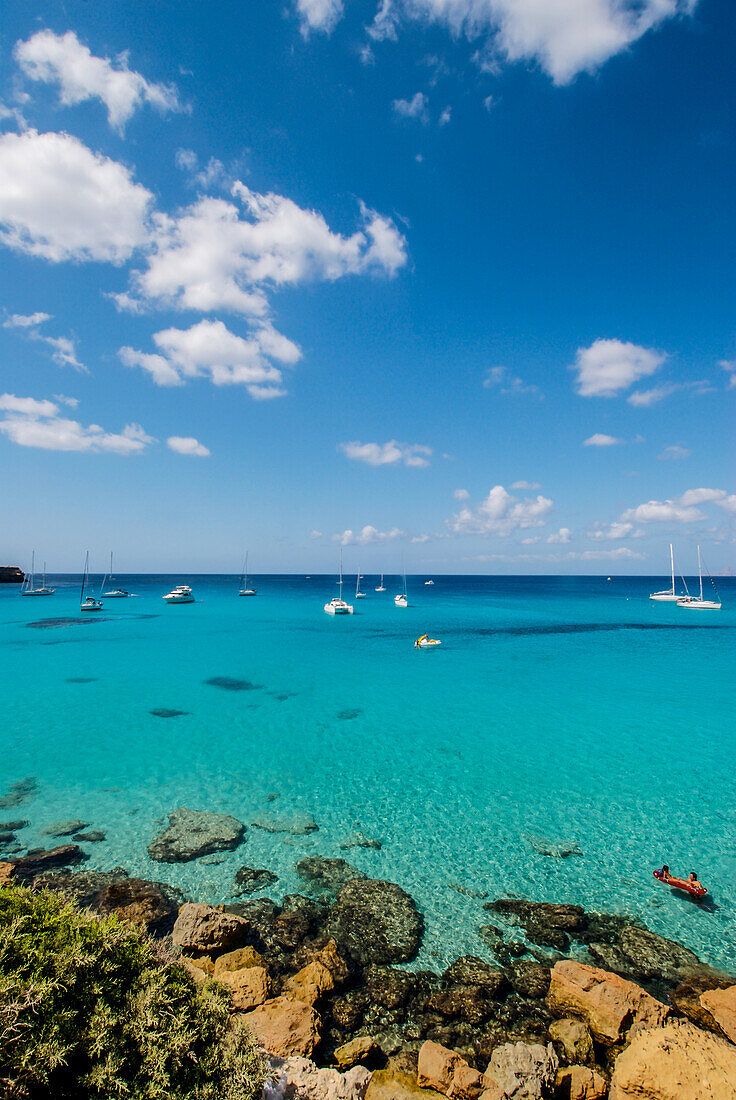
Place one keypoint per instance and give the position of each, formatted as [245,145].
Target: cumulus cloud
[187,445]
[675,451]
[210,350]
[218,255]
[564,37]
[416,107]
[498,378]
[392,453]
[728,503]
[63,348]
[319,15]
[368,535]
[609,366]
[614,531]
[32,423]
[61,201]
[500,514]
[26,320]
[701,496]
[563,535]
[601,440]
[461,494]
[62,59]
[525,485]
[664,511]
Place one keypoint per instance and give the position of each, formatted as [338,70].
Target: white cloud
[701,496]
[416,107]
[621,552]
[601,440]
[63,349]
[461,494]
[609,366]
[498,378]
[315,534]
[367,535]
[384,22]
[500,514]
[729,365]
[387,454]
[446,116]
[187,445]
[563,535]
[210,350]
[26,320]
[62,399]
[62,59]
[319,15]
[32,423]
[216,255]
[489,103]
[565,37]
[421,538]
[662,511]
[525,485]
[61,201]
[643,399]
[614,531]
[531,540]
[675,451]
[729,503]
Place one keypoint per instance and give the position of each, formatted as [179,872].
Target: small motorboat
[683,884]
[425,642]
[182,593]
[428,582]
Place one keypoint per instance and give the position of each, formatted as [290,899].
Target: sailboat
[115,593]
[88,603]
[29,583]
[401,600]
[381,587]
[358,594]
[244,590]
[337,605]
[701,604]
[668,595]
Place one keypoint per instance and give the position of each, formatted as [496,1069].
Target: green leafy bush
[89,1010]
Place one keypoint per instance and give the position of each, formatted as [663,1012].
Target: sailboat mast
[44,574]
[84,577]
[341,574]
[111,568]
[700,571]
[33,569]
[245,572]
[672,567]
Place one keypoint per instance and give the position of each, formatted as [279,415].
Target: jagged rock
[6,873]
[720,1004]
[285,1027]
[654,956]
[13,826]
[38,860]
[347,1010]
[609,1004]
[295,824]
[327,875]
[524,1071]
[240,959]
[530,979]
[573,1041]
[251,879]
[675,1062]
[299,1079]
[398,1081]
[465,1002]
[154,905]
[357,1050]
[686,997]
[92,836]
[321,975]
[376,921]
[249,986]
[83,887]
[388,987]
[544,923]
[470,970]
[204,928]
[580,1083]
[194,833]
[447,1071]
[7,838]
[64,828]
[360,840]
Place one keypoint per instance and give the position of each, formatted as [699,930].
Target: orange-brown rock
[326,970]
[240,959]
[447,1071]
[398,1081]
[675,1062]
[283,1027]
[609,1004]
[580,1083]
[349,1054]
[6,873]
[249,987]
[721,1004]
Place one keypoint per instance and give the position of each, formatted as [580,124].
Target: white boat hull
[248,592]
[665,597]
[401,601]
[178,599]
[338,607]
[700,605]
[119,595]
[380,589]
[39,592]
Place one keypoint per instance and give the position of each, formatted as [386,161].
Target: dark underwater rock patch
[81,679]
[295,824]
[64,828]
[46,859]
[92,836]
[349,713]
[48,624]
[252,879]
[376,921]
[229,683]
[324,875]
[166,712]
[18,792]
[12,826]
[194,833]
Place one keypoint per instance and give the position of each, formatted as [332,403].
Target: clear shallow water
[569,709]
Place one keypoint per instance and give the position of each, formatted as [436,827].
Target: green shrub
[88,1010]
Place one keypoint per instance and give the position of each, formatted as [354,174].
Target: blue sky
[448,279]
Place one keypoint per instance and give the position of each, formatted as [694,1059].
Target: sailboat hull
[248,592]
[665,597]
[700,605]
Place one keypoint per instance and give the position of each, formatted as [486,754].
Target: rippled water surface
[559,712]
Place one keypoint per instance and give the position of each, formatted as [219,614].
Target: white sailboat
[244,590]
[401,600]
[337,605]
[668,595]
[88,603]
[115,593]
[358,594]
[701,604]
[381,587]
[29,584]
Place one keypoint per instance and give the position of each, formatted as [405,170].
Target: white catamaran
[668,595]
[88,603]
[244,590]
[701,604]
[29,584]
[337,605]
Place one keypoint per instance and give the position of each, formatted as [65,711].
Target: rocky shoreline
[566,1004]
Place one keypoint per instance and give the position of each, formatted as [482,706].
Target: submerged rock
[557,849]
[229,683]
[326,875]
[252,879]
[166,712]
[296,824]
[18,792]
[25,868]
[13,826]
[92,836]
[376,921]
[64,828]
[359,839]
[544,923]
[194,833]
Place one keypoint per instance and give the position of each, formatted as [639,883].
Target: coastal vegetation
[92,1007]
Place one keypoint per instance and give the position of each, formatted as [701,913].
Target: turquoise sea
[559,711]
